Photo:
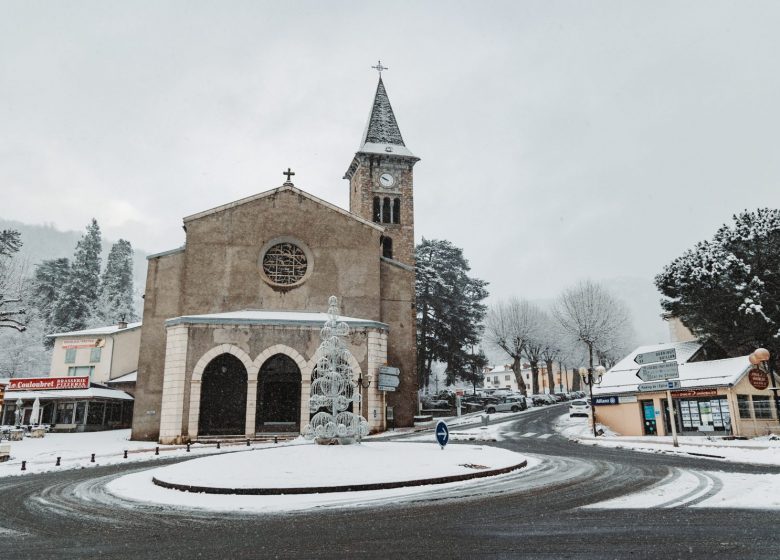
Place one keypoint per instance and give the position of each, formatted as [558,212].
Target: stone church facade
[232,319]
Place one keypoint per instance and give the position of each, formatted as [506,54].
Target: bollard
[156,450]
[188,447]
[24,465]
[92,459]
[276,439]
[125,457]
[247,443]
[218,445]
[58,462]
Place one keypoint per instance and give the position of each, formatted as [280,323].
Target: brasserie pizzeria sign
[47,383]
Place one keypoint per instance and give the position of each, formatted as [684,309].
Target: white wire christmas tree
[332,388]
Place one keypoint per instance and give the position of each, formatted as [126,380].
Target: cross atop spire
[289,174]
[379,67]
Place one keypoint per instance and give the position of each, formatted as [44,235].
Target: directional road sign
[659,385]
[442,433]
[655,372]
[388,382]
[657,356]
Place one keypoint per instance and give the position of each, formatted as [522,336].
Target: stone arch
[197,372]
[278,349]
[222,409]
[197,376]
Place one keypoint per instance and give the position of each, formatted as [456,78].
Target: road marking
[528,434]
[545,436]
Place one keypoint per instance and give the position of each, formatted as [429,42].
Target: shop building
[67,404]
[716,397]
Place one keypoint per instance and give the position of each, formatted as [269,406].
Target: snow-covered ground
[75,451]
[760,450]
[686,487]
[311,466]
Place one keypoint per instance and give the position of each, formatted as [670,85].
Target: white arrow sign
[664,355]
[659,386]
[654,372]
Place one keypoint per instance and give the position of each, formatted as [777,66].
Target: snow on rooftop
[261,317]
[111,329]
[131,377]
[91,393]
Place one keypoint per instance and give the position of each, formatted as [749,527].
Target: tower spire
[382,134]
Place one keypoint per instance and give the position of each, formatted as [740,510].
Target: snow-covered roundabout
[305,476]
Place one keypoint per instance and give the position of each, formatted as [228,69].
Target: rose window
[285,264]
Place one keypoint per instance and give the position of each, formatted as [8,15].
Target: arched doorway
[279,395]
[223,397]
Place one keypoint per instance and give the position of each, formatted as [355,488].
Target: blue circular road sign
[442,433]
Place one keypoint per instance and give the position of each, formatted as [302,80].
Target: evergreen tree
[449,308]
[48,282]
[727,290]
[10,242]
[116,287]
[79,297]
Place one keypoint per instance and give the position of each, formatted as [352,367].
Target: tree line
[60,295]
[586,325]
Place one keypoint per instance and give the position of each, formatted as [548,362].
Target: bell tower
[381,180]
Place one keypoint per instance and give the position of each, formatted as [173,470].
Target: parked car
[579,407]
[541,400]
[561,396]
[509,404]
[436,404]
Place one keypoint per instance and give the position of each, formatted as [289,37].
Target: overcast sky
[559,140]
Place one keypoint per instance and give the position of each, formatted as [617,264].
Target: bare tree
[511,326]
[12,276]
[592,316]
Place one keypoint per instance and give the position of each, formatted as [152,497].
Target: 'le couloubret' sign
[47,383]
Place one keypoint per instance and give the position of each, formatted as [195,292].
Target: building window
[495,379]
[743,403]
[81,371]
[70,356]
[285,263]
[761,407]
[64,413]
[386,211]
[94,355]
[397,211]
[387,247]
[506,378]
[377,210]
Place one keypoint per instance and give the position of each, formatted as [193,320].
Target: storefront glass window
[95,413]
[761,407]
[743,402]
[64,413]
[81,408]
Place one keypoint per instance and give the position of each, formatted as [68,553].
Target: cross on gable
[289,173]
[379,67]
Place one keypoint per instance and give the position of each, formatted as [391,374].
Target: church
[232,319]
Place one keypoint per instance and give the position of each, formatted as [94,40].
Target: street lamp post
[362,384]
[591,376]
[760,357]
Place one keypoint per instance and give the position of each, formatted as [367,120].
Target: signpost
[442,433]
[664,355]
[659,386]
[654,372]
[389,378]
[663,376]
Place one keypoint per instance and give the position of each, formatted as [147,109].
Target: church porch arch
[196,382]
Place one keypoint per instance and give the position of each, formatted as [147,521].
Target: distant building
[678,332]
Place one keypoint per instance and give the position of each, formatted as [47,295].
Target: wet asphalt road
[535,515]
